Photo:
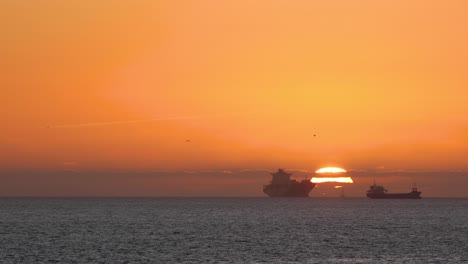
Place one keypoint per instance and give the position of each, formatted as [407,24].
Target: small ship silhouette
[379,192]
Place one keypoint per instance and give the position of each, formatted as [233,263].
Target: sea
[233,230]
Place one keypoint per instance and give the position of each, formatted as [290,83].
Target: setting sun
[332,179]
[330,170]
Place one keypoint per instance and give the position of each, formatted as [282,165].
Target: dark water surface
[233,230]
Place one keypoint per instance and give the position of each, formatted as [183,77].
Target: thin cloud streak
[122,122]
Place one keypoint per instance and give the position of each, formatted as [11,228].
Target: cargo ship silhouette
[281,185]
[379,192]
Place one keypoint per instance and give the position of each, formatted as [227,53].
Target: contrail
[111,123]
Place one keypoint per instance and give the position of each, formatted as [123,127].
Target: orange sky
[383,85]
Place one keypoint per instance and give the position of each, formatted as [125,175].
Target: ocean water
[233,230]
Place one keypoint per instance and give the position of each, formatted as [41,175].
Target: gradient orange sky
[383,85]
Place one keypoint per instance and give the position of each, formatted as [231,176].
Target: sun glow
[332,179]
[330,170]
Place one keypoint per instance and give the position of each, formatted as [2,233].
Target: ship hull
[293,190]
[411,195]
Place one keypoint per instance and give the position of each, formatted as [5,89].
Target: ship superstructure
[281,185]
